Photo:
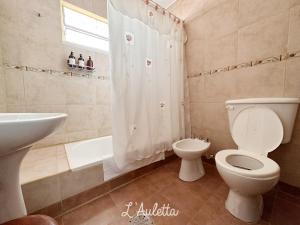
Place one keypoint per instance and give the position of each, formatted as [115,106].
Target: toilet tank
[285,108]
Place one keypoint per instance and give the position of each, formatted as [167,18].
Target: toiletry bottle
[80,62]
[90,64]
[71,60]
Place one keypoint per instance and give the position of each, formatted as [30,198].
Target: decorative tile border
[83,74]
[249,64]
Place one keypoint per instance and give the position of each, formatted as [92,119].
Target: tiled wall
[233,32]
[29,40]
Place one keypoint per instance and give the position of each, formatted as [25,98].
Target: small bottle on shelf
[80,62]
[90,64]
[72,60]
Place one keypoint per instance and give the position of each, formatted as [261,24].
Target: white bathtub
[84,154]
[88,153]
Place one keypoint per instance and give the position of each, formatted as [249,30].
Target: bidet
[18,131]
[190,151]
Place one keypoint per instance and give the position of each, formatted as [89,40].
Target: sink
[18,131]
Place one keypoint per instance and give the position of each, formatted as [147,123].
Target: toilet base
[191,170]
[246,208]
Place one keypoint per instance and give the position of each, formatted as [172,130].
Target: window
[84,28]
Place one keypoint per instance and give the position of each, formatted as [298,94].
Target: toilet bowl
[257,126]
[190,151]
[248,175]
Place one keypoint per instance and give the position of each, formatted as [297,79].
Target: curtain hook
[146,2]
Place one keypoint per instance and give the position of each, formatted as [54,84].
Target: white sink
[18,131]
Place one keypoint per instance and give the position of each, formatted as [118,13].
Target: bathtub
[84,154]
[88,153]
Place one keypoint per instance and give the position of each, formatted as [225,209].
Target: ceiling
[164,3]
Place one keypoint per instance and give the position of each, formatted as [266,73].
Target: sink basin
[18,131]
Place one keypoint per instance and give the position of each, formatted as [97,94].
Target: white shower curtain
[146,52]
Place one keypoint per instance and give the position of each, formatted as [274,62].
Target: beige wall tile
[195,56]
[43,162]
[294,29]
[80,91]
[3,108]
[254,10]
[187,117]
[62,160]
[215,23]
[38,164]
[9,9]
[9,46]
[271,41]
[294,2]
[208,116]
[261,81]
[220,140]
[41,55]
[220,87]
[81,118]
[287,156]
[220,52]
[196,88]
[16,108]
[187,120]
[81,135]
[215,116]
[42,89]
[53,139]
[2,88]
[197,116]
[292,82]
[14,87]
[78,181]
[41,193]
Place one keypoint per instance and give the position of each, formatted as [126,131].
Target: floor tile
[132,192]
[102,211]
[285,212]
[201,202]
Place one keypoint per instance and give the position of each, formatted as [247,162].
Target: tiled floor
[199,203]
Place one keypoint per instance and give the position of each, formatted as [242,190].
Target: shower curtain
[146,56]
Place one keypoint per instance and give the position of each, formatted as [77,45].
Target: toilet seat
[268,168]
[257,129]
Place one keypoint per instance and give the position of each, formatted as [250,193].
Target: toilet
[190,151]
[258,126]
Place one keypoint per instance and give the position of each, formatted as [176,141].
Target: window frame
[64,4]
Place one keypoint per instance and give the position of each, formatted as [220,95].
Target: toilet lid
[257,129]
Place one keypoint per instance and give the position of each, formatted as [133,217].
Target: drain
[141,220]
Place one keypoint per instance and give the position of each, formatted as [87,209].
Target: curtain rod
[163,10]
